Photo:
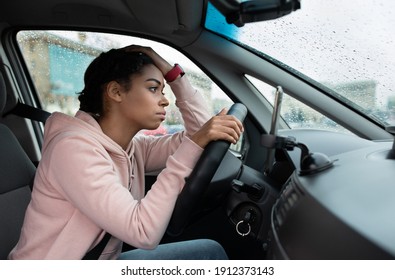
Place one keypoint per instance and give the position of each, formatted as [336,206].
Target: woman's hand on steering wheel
[220,127]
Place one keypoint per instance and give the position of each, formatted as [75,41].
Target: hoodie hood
[61,125]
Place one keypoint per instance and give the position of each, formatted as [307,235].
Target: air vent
[289,197]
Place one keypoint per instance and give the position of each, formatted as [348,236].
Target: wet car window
[295,113]
[345,47]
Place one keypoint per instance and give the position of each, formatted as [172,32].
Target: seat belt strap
[96,251]
[29,112]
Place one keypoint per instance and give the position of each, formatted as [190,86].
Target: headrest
[3,93]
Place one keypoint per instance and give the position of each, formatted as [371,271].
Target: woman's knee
[215,249]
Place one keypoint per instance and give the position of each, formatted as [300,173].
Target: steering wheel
[199,180]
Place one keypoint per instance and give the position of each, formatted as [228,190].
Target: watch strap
[174,73]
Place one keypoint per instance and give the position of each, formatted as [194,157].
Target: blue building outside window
[67,68]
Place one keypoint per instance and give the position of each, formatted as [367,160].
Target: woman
[91,176]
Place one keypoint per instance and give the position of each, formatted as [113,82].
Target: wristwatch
[174,73]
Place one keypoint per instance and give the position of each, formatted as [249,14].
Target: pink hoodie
[87,184]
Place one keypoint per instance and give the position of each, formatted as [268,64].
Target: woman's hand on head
[220,127]
[159,61]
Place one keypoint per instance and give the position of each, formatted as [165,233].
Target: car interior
[282,193]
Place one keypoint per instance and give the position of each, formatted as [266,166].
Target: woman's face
[143,105]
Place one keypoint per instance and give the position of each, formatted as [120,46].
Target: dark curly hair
[115,65]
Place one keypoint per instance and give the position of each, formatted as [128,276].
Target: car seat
[16,176]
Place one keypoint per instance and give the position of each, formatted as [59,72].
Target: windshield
[346,46]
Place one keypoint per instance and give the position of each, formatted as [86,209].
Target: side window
[295,113]
[57,60]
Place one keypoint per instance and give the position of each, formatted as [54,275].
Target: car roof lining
[171,16]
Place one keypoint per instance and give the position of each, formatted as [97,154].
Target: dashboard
[343,212]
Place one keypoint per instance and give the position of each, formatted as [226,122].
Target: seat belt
[29,112]
[96,251]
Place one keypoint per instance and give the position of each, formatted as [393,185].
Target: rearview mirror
[240,12]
